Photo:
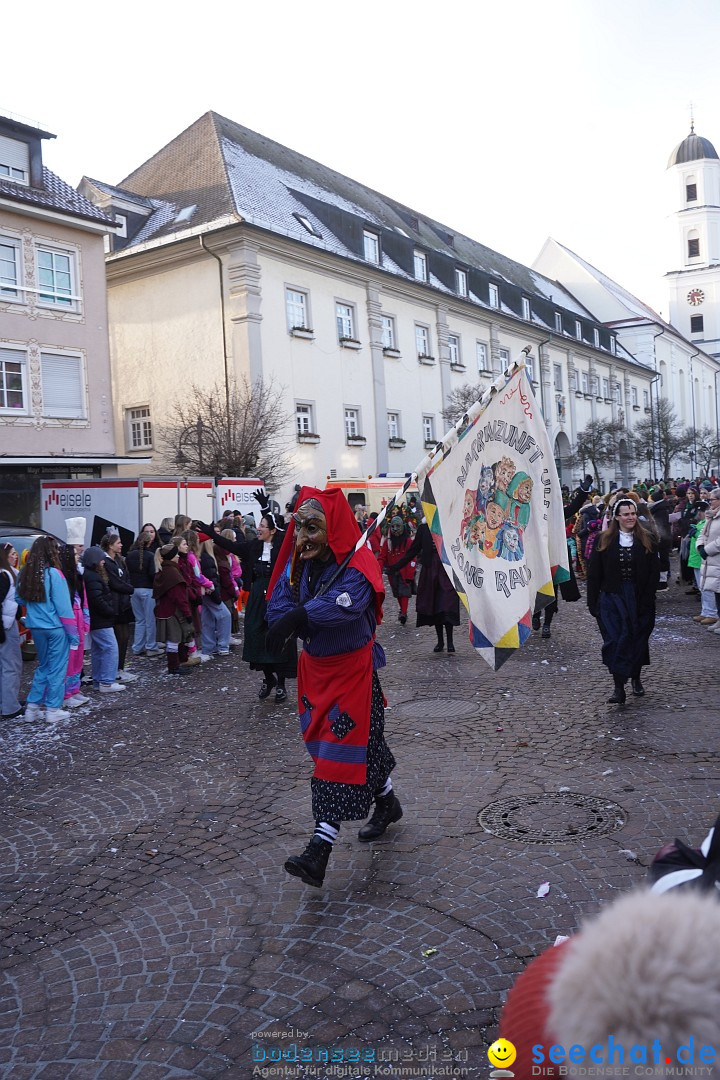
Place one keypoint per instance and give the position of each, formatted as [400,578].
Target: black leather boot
[637,687]
[387,810]
[449,635]
[618,697]
[310,867]
[440,643]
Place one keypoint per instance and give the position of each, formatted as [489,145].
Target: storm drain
[554,818]
[436,709]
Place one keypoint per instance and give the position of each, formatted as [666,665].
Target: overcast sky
[509,122]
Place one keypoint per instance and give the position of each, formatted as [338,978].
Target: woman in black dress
[623,576]
[258,558]
[437,603]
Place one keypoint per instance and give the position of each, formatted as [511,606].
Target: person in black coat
[623,576]
[660,510]
[258,558]
[140,563]
[121,590]
[103,643]
[437,603]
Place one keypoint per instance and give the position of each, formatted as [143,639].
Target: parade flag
[492,500]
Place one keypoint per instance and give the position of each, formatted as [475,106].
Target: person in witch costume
[340,700]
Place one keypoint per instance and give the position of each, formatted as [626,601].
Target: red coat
[171,593]
[393,549]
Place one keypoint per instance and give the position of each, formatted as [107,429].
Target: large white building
[238,256]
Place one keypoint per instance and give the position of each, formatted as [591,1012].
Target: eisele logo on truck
[69,500]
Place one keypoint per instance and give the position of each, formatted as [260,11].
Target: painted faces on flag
[311,541]
[498,511]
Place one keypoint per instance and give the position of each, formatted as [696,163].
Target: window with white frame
[634,395]
[618,393]
[10,263]
[558,323]
[393,419]
[371,246]
[525,308]
[504,357]
[594,385]
[454,350]
[63,385]
[428,428]
[573,380]
[14,160]
[139,428]
[420,266]
[612,344]
[461,282]
[557,376]
[606,388]
[646,399]
[56,273]
[585,382]
[304,418]
[297,309]
[481,353]
[494,295]
[530,368]
[422,339]
[596,338]
[345,320]
[352,423]
[13,370]
[389,335]
[578,330]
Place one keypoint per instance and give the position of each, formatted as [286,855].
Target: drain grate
[436,709]
[554,818]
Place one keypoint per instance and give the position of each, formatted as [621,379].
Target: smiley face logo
[502,1054]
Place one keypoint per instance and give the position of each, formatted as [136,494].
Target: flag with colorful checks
[492,500]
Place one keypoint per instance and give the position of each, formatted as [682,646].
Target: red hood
[343,534]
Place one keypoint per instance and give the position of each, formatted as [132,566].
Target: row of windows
[593,385]
[62,381]
[305,423]
[297,310]
[371,242]
[297,304]
[56,275]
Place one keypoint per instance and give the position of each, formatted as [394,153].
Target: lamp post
[198,428]
[691,455]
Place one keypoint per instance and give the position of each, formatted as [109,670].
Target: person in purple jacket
[340,701]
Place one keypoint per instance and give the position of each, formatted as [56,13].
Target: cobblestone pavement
[149,930]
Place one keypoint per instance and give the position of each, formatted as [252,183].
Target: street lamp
[197,428]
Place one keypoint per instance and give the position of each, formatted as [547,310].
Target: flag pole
[467,418]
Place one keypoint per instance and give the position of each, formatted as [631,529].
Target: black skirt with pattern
[332,801]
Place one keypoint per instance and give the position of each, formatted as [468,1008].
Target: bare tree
[659,437]
[251,437]
[597,444]
[459,401]
[703,449]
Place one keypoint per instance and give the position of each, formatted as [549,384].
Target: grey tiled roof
[54,195]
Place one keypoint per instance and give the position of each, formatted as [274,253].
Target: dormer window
[494,296]
[420,266]
[14,160]
[371,246]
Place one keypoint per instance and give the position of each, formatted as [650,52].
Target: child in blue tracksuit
[43,590]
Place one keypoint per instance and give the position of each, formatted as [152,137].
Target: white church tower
[694,203]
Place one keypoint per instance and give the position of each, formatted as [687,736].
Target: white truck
[126,504]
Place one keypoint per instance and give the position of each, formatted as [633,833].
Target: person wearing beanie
[641,974]
[622,579]
[103,643]
[708,544]
[173,613]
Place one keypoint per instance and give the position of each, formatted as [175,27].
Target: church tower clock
[694,281]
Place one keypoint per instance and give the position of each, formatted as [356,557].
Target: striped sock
[385,789]
[327,831]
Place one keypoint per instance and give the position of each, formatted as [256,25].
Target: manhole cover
[555,818]
[432,708]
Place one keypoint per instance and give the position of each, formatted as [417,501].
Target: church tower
[694,282]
